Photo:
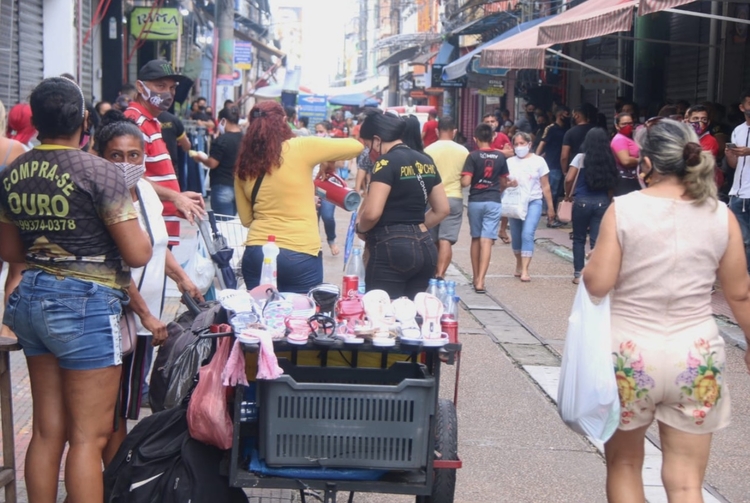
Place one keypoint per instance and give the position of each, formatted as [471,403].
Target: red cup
[350,286]
[450,327]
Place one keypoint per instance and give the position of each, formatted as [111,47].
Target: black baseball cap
[159,69]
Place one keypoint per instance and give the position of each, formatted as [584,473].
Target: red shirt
[500,141]
[430,132]
[159,168]
[709,144]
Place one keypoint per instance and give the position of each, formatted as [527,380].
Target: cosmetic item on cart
[335,190]
[355,268]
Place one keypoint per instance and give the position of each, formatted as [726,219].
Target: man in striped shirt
[156,86]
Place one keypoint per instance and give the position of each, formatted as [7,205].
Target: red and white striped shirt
[159,168]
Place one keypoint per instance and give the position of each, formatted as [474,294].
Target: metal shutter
[30,46]
[87,51]
[687,66]
[8,53]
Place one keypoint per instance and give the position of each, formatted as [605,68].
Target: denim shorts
[76,321]
[484,219]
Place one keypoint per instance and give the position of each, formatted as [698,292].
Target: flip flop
[504,238]
[405,312]
[298,329]
[430,308]
[480,290]
[526,279]
[378,310]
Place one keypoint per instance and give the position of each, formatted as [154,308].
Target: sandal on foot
[525,279]
[504,238]
[430,308]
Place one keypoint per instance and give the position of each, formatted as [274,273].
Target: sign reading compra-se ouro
[161,24]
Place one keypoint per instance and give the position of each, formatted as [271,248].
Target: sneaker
[556,224]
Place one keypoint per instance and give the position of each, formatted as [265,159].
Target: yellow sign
[161,24]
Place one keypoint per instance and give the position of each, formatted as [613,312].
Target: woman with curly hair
[275,196]
[593,192]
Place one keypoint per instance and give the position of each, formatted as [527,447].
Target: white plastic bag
[587,398]
[515,203]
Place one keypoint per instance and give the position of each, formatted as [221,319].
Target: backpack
[181,356]
[159,463]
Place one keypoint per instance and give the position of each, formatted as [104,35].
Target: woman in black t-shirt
[224,152]
[403,256]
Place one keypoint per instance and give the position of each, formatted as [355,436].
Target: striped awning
[650,6]
[590,19]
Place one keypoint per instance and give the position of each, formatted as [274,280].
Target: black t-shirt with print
[574,138]
[225,149]
[62,200]
[171,129]
[486,167]
[406,201]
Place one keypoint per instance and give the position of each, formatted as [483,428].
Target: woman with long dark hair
[592,191]
[275,196]
[412,136]
[403,256]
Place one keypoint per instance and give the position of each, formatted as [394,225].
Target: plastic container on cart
[432,287]
[356,267]
[347,417]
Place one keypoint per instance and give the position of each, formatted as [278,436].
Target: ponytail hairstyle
[387,126]
[601,169]
[260,151]
[673,149]
[114,125]
[412,136]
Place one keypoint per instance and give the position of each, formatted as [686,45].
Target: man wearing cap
[156,86]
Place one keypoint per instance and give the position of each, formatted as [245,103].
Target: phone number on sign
[46,225]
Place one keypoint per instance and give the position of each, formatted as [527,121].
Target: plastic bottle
[268,271]
[432,287]
[450,305]
[442,291]
[355,267]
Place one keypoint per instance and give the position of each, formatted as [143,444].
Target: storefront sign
[498,72]
[161,24]
[313,106]
[437,78]
[479,81]
[243,55]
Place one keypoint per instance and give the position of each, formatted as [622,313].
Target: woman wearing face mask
[402,254]
[221,161]
[78,234]
[120,141]
[274,190]
[626,151]
[530,172]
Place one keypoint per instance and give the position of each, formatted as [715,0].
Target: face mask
[747,112]
[162,101]
[698,126]
[374,156]
[522,151]
[85,137]
[222,127]
[131,172]
[627,130]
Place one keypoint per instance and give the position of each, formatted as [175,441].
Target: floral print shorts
[677,379]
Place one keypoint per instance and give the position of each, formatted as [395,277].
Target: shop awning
[354,100]
[445,54]
[423,59]
[484,23]
[593,18]
[459,68]
[400,55]
[649,6]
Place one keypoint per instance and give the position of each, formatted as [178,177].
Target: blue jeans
[296,272]
[402,260]
[556,179]
[741,210]
[587,217]
[77,321]
[222,200]
[522,231]
[325,211]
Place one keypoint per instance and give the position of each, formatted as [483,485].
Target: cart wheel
[446,443]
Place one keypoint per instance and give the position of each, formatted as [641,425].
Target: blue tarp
[458,68]
[353,100]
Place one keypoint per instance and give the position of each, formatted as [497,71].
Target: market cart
[378,428]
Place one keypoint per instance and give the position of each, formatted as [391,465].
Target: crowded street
[375,251]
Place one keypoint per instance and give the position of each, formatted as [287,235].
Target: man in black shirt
[224,152]
[551,148]
[486,172]
[173,134]
[200,115]
[583,114]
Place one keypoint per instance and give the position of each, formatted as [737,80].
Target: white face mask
[131,172]
[222,126]
[522,150]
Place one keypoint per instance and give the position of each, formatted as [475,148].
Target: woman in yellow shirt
[283,205]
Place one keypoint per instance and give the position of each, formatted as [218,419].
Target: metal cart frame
[420,482]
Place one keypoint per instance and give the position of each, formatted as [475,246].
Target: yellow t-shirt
[449,158]
[285,204]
